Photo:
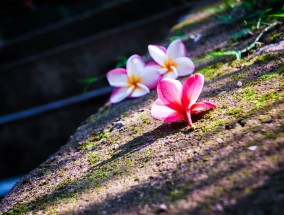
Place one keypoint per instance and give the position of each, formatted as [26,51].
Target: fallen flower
[134,81]
[172,62]
[176,101]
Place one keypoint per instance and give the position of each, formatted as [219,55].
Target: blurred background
[49,51]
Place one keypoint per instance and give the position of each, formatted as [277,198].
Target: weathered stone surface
[232,163]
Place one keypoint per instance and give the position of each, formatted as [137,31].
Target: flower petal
[152,63]
[120,93]
[117,77]
[134,65]
[157,53]
[150,76]
[164,113]
[171,74]
[162,70]
[169,93]
[141,90]
[163,49]
[201,106]
[176,49]
[185,66]
[191,90]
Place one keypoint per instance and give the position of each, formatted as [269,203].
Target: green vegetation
[105,134]
[89,81]
[269,76]
[234,111]
[212,71]
[213,125]
[177,35]
[257,99]
[237,63]
[262,59]
[98,174]
[87,144]
[273,37]
[176,194]
[18,209]
[93,157]
[121,62]
[240,75]
[255,15]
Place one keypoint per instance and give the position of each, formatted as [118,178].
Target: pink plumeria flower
[134,81]
[176,101]
[172,62]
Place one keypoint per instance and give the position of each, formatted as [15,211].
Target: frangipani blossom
[134,81]
[172,62]
[176,101]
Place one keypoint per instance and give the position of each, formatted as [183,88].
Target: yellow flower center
[168,64]
[133,80]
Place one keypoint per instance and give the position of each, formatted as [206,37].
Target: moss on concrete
[146,166]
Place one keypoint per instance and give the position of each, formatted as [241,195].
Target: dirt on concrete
[122,161]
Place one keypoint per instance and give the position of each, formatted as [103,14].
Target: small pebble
[249,134]
[219,207]
[252,148]
[115,146]
[163,207]
[239,84]
[162,154]
[219,140]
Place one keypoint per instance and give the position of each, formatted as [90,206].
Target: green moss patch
[234,111]
[268,76]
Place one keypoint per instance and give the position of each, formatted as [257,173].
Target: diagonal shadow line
[245,200]
[146,139]
[168,187]
[267,199]
[137,143]
[59,191]
[130,147]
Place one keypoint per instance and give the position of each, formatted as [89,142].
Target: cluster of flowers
[175,101]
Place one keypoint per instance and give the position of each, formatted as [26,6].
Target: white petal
[185,66]
[162,70]
[176,49]
[150,76]
[134,65]
[172,74]
[141,90]
[157,54]
[120,93]
[117,77]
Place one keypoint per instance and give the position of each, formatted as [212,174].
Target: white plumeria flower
[172,62]
[134,81]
